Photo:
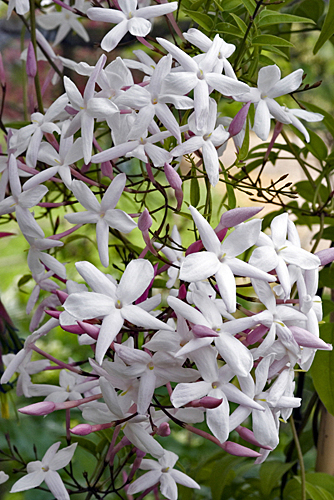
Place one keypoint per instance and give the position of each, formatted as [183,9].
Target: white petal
[199,266]
[135,280]
[29,481]
[56,485]
[209,238]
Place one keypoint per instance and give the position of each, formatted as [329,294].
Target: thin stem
[300,458]
[34,42]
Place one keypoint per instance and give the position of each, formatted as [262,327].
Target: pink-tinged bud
[172,177]
[73,329]
[2,73]
[238,450]
[307,339]
[71,111]
[238,121]
[82,429]
[31,65]
[62,296]
[163,429]
[276,133]
[326,256]
[91,330]
[248,435]
[182,292]
[144,221]
[52,313]
[206,402]
[175,182]
[222,233]
[233,217]
[194,247]
[256,335]
[201,331]
[3,235]
[42,408]
[106,169]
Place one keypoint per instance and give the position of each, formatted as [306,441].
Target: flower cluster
[196,340]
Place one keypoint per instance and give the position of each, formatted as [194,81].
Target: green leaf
[86,444]
[326,277]
[322,370]
[328,28]
[327,307]
[293,491]
[271,40]
[200,18]
[228,28]
[316,146]
[326,481]
[269,17]
[250,6]
[232,201]
[194,189]
[312,9]
[271,473]
[24,279]
[242,26]
[222,474]
[304,189]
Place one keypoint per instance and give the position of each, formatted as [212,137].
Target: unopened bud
[172,176]
[163,429]
[238,450]
[2,73]
[145,221]
[42,408]
[31,65]
[248,435]
[182,292]
[206,402]
[238,121]
[201,331]
[82,429]
[62,296]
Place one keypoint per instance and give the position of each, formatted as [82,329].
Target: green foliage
[322,369]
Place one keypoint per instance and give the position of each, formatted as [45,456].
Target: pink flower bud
[238,450]
[82,429]
[238,121]
[248,435]
[172,177]
[31,65]
[91,330]
[2,73]
[194,247]
[76,329]
[163,429]
[53,314]
[144,221]
[42,408]
[326,256]
[201,331]
[233,217]
[62,296]
[182,292]
[206,402]
[307,339]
